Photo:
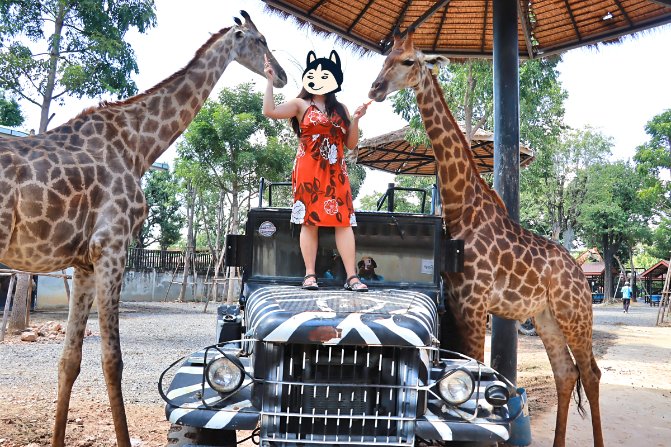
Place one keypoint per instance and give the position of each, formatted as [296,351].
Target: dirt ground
[634,357]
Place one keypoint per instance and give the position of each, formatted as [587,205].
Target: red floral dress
[322,194]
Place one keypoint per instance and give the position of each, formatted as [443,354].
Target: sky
[614,88]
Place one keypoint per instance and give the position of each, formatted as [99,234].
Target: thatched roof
[391,152]
[463,28]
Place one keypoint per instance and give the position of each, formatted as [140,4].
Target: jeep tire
[527,328]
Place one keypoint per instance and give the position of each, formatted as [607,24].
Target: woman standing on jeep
[320,185]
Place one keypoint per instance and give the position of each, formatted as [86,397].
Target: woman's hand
[268,69]
[361,110]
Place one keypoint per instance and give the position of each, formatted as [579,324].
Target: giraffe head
[403,68]
[251,46]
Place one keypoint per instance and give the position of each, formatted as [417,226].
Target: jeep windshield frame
[405,248]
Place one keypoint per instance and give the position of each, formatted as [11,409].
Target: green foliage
[10,111]
[613,207]
[653,157]
[647,258]
[553,187]
[660,241]
[230,145]
[164,221]
[51,49]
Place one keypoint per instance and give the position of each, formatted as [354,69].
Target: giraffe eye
[408,62]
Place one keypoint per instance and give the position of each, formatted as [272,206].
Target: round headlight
[225,374]
[497,394]
[456,387]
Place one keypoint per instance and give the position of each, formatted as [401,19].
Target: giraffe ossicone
[71,197]
[508,270]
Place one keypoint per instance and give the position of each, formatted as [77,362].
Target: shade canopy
[657,271]
[463,28]
[392,153]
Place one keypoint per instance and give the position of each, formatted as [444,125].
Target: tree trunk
[188,253]
[607,251]
[569,236]
[634,287]
[54,54]
[19,316]
[220,245]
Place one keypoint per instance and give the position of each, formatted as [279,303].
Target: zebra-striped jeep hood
[388,317]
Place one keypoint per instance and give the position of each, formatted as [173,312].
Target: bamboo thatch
[391,152]
[463,28]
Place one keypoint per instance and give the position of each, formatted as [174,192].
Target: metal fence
[140,259]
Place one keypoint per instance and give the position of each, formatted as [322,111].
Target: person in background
[626,297]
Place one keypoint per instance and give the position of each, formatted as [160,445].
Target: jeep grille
[357,395]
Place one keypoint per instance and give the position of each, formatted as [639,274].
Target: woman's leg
[344,237]
[309,242]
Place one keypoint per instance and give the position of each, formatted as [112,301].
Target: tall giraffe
[508,271]
[72,197]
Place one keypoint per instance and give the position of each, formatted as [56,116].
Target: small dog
[367,267]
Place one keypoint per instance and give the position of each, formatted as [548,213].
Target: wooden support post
[5,313]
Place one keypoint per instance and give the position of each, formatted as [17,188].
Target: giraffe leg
[564,370]
[590,376]
[108,277]
[471,324]
[71,357]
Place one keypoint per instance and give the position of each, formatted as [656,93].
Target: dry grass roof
[391,152]
[463,28]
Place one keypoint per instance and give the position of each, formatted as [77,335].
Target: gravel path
[153,335]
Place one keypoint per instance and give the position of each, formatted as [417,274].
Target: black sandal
[311,285]
[357,286]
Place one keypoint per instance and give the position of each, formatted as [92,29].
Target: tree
[613,214]
[10,111]
[660,241]
[164,220]
[230,145]
[226,150]
[653,157]
[555,184]
[83,52]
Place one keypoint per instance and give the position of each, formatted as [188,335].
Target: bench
[655,299]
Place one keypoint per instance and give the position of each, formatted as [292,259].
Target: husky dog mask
[322,76]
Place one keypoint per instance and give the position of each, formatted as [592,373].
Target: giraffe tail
[577,397]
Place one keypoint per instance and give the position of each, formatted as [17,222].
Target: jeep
[334,367]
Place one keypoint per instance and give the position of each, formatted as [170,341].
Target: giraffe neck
[141,128]
[463,193]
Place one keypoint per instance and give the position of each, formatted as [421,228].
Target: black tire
[527,328]
[183,435]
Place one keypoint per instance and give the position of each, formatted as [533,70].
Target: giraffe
[71,197]
[508,271]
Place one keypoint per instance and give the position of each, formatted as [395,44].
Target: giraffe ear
[311,57]
[436,59]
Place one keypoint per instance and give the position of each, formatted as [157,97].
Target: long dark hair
[332,107]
